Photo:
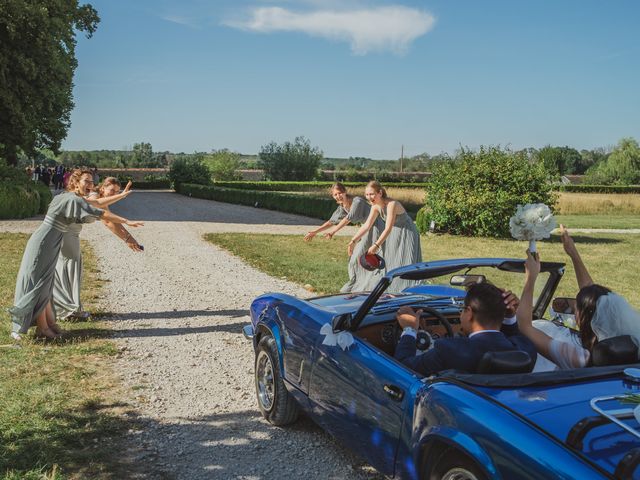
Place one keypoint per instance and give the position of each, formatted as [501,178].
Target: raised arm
[524,314]
[582,274]
[106,201]
[309,236]
[366,226]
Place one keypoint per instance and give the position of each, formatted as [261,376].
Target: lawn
[58,412]
[322,264]
[626,221]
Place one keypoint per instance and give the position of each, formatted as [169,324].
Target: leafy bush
[423,220]
[19,196]
[290,161]
[222,165]
[189,170]
[478,193]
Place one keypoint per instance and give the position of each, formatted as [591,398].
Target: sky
[357,77]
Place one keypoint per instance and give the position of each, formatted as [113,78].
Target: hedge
[600,188]
[305,186]
[22,201]
[152,185]
[299,204]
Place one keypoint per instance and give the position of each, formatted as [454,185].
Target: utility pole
[401,157]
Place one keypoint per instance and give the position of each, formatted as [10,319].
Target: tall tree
[290,161]
[37,63]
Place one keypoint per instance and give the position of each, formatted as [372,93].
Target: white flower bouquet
[533,221]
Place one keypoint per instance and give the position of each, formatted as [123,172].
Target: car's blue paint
[511,432]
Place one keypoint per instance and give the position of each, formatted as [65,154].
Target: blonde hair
[375,185]
[73,184]
[106,182]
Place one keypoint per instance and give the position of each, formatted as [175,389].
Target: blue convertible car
[332,358]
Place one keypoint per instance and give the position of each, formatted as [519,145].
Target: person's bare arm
[524,314]
[345,221]
[366,226]
[309,236]
[112,217]
[582,274]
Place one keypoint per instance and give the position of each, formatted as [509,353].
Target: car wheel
[275,402]
[454,465]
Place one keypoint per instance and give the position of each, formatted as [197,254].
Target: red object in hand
[370,261]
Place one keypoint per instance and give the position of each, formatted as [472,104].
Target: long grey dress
[34,286]
[360,280]
[401,248]
[68,274]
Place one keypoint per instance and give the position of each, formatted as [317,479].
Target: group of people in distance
[48,283]
[492,319]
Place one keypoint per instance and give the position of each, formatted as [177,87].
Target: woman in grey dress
[399,242]
[34,285]
[68,273]
[351,210]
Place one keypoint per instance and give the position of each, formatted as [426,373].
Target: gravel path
[178,309]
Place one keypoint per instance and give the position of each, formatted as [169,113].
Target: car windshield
[451,287]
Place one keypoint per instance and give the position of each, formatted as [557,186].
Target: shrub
[423,219]
[478,193]
[622,166]
[19,196]
[306,186]
[222,165]
[189,170]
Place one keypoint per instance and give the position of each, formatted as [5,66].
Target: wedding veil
[613,317]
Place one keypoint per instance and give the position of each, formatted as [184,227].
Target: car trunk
[564,411]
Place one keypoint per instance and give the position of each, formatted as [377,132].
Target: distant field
[598,204]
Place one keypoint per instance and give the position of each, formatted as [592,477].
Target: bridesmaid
[351,209]
[34,285]
[399,241]
[68,273]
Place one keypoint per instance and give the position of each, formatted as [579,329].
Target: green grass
[323,264]
[59,417]
[626,221]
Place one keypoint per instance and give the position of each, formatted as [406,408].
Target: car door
[360,395]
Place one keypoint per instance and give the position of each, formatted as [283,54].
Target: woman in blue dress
[34,285]
[351,209]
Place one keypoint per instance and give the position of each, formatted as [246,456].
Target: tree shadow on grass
[585,239]
[84,442]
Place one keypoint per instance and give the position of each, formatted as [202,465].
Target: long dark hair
[586,302]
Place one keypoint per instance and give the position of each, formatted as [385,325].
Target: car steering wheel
[427,311]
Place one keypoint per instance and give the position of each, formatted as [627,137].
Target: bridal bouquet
[533,221]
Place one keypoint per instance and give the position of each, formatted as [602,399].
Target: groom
[482,320]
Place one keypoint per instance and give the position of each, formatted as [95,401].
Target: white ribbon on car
[342,339]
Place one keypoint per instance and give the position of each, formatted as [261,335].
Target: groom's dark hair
[487,304]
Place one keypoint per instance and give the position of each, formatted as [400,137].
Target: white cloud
[185,21]
[391,28]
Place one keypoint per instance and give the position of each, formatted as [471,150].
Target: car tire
[275,402]
[455,465]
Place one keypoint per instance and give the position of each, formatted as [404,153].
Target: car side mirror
[566,305]
[466,280]
[341,322]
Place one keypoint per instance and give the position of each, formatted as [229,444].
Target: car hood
[557,409]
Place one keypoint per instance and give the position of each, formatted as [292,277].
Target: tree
[560,160]
[142,155]
[622,167]
[477,193]
[290,161]
[223,165]
[37,63]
